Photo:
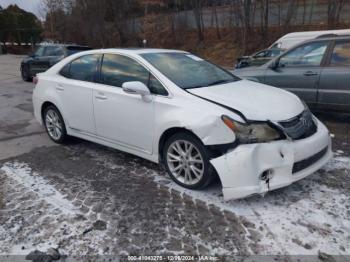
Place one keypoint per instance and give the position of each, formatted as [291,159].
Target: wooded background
[219,30]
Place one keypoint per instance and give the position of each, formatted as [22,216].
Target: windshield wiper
[210,84]
[219,82]
[192,87]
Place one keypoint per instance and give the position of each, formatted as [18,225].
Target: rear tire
[25,73]
[54,125]
[186,161]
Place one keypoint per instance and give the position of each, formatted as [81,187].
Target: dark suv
[318,71]
[45,57]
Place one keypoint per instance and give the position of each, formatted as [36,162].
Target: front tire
[186,161]
[54,125]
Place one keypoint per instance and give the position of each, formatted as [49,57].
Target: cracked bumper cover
[240,169]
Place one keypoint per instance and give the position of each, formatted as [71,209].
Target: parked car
[46,56]
[289,40]
[318,71]
[174,108]
[258,58]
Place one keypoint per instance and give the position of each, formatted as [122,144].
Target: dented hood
[254,100]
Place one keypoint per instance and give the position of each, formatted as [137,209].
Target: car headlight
[252,133]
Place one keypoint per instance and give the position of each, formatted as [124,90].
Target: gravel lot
[86,199]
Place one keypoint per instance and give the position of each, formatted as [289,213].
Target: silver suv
[318,71]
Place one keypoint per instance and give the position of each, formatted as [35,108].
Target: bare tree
[312,5]
[291,11]
[334,10]
[215,18]
[264,11]
[197,9]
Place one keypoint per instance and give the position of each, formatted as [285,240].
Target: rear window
[76,49]
[53,51]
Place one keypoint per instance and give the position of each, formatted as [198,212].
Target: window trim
[329,56]
[99,68]
[323,60]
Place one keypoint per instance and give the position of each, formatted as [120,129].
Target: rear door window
[341,54]
[83,68]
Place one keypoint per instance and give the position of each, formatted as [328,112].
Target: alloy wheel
[185,162]
[53,124]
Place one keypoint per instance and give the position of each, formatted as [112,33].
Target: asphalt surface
[87,199]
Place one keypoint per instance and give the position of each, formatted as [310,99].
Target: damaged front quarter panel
[213,132]
[258,168]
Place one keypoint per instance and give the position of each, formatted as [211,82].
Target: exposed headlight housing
[252,133]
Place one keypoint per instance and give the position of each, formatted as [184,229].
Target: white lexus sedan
[195,118]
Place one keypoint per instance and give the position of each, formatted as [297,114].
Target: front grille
[299,127]
[300,165]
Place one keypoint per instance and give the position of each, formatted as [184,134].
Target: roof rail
[331,35]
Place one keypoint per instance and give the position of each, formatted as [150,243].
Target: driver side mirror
[274,64]
[137,88]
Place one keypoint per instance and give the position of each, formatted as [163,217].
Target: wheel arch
[167,134]
[45,105]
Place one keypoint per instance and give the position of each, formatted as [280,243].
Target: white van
[292,39]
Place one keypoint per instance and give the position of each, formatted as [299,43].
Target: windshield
[189,71]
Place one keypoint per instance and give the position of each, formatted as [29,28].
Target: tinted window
[341,55]
[188,71]
[306,55]
[65,70]
[40,51]
[84,68]
[156,87]
[53,51]
[117,69]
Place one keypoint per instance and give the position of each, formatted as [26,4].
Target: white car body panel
[123,118]
[255,101]
[73,96]
[126,122]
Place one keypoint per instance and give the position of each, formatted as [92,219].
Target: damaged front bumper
[258,168]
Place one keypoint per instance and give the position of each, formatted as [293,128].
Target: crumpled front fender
[242,169]
[213,132]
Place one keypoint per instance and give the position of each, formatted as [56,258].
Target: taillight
[35,80]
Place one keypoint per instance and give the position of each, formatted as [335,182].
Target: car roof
[315,33]
[328,38]
[136,51]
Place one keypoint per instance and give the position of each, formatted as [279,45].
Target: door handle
[59,87]
[310,73]
[100,96]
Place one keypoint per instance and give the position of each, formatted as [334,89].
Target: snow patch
[338,162]
[23,174]
[300,219]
